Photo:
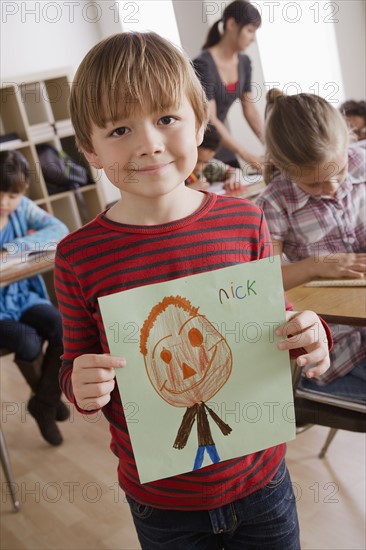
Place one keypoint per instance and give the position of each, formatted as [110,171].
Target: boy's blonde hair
[131,70]
[302,131]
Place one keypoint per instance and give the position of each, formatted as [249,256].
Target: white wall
[351,37]
[38,36]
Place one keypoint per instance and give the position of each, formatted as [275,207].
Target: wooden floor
[70,501]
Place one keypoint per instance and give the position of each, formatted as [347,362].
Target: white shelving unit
[36,108]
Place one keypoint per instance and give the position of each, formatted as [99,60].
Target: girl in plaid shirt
[315,204]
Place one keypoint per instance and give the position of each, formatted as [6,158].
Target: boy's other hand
[305,330]
[93,379]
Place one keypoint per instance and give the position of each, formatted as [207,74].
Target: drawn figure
[187,361]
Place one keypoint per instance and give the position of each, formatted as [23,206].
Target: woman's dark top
[208,74]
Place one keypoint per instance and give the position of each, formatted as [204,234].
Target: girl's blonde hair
[302,131]
[130,70]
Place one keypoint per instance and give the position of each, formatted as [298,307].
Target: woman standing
[226,72]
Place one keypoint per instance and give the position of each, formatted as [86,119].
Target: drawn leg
[199,458]
[213,454]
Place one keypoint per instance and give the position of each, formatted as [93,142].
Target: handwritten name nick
[237,292]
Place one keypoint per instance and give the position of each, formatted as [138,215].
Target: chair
[8,472]
[316,408]
[5,459]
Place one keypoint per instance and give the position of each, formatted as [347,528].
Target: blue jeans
[265,519]
[352,386]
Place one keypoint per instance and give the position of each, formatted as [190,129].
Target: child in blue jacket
[27,317]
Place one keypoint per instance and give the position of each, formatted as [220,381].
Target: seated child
[355,115]
[209,169]
[143,124]
[27,317]
[315,209]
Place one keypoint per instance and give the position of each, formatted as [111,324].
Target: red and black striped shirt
[105,257]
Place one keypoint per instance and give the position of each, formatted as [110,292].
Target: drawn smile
[175,392]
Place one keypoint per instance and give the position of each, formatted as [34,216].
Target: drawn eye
[195,337]
[166,356]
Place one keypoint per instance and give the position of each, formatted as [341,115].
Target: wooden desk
[343,305]
[35,265]
[249,192]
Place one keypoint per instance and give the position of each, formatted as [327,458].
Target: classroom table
[345,305]
[248,192]
[36,264]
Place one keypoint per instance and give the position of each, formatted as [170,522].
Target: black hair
[211,138]
[242,12]
[354,108]
[14,172]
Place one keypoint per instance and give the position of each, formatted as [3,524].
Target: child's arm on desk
[194,182]
[233,179]
[325,266]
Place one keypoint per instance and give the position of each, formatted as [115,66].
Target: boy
[139,113]
[209,170]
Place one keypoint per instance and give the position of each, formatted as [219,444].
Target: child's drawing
[187,361]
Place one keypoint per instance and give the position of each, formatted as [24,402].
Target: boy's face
[148,154]
[324,179]
[9,202]
[203,158]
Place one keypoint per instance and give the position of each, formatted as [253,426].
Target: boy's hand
[305,330]
[93,379]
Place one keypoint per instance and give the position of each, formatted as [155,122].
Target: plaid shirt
[307,225]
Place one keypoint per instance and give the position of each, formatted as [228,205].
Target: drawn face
[187,359]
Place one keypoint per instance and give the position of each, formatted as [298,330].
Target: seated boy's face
[358,125]
[9,202]
[148,154]
[203,158]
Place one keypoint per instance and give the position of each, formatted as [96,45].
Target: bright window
[298,48]
[145,15]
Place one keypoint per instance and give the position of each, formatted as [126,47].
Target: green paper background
[256,401]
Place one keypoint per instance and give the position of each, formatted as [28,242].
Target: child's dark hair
[244,13]
[354,108]
[14,172]
[211,138]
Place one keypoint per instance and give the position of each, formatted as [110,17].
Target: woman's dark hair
[211,138]
[242,12]
[14,172]
[354,108]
